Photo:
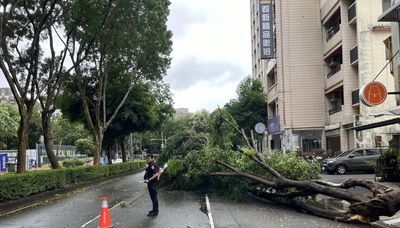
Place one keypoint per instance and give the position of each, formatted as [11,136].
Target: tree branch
[374,187]
[309,185]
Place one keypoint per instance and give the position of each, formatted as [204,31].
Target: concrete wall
[299,64]
[371,35]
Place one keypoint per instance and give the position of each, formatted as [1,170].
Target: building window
[389,51]
[395,142]
[309,145]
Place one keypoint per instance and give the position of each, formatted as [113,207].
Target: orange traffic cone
[105,217]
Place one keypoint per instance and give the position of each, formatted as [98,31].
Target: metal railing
[335,109]
[332,31]
[333,71]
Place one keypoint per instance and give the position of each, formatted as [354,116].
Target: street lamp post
[163,141]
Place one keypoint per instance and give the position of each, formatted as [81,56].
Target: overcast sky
[211,51]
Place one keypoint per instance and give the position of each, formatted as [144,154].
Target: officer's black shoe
[152,213]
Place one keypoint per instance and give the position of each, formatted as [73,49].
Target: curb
[18,205]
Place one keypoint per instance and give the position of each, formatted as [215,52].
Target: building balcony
[333,38]
[355,99]
[334,70]
[328,8]
[335,109]
[335,114]
[272,93]
[354,56]
[352,13]
[331,32]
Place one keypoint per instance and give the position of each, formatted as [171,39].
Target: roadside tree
[66,132]
[133,43]
[24,33]
[249,107]
[147,107]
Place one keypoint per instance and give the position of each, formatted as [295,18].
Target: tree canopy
[249,107]
[133,45]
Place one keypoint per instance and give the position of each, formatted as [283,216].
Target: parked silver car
[361,159]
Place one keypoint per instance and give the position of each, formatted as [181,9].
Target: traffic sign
[373,94]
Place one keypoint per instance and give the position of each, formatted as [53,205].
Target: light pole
[163,141]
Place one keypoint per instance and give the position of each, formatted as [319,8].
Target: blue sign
[273,125]
[3,161]
[12,159]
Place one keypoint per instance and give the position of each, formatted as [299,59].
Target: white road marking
[209,212]
[393,221]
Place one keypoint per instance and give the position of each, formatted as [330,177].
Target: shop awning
[391,14]
[377,124]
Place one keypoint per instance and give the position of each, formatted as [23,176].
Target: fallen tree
[383,201]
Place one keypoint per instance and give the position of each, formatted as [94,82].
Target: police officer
[151,178]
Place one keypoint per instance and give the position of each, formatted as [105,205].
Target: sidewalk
[128,202]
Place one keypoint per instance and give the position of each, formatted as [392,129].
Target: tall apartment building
[6,96]
[325,51]
[391,13]
[293,78]
[354,54]
[179,112]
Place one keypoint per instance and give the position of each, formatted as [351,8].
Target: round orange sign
[373,93]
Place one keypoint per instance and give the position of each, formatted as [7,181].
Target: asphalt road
[255,213]
[129,202]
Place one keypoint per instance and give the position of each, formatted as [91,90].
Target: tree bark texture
[48,140]
[123,149]
[98,147]
[22,142]
[109,157]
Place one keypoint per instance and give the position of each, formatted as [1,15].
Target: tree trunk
[48,140]
[109,158]
[98,146]
[384,201]
[25,112]
[22,141]
[123,150]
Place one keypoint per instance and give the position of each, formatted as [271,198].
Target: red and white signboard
[373,94]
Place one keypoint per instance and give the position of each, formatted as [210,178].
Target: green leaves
[84,146]
[249,108]
[8,121]
[248,151]
[293,167]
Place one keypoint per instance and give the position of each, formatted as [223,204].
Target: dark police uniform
[152,169]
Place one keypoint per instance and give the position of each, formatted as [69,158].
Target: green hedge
[15,186]
[72,163]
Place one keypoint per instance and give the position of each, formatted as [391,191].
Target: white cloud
[214,33]
[205,95]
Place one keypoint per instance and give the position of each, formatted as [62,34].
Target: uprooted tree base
[383,201]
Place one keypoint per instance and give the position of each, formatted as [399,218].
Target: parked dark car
[361,159]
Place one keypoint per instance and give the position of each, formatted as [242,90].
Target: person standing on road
[151,177]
